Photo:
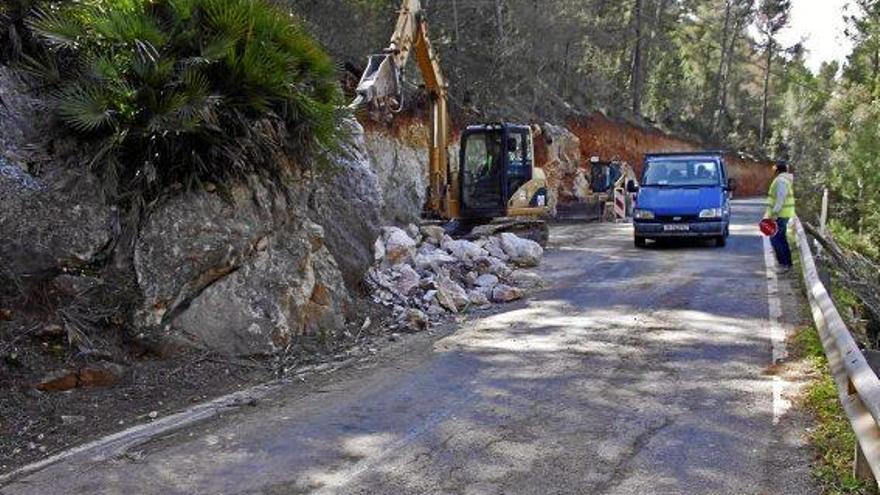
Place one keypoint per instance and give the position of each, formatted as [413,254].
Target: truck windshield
[694,173]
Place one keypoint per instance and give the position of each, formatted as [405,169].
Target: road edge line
[118,443]
[779,349]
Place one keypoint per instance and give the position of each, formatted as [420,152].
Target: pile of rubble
[424,274]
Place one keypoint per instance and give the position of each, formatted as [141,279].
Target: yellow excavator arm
[380,89]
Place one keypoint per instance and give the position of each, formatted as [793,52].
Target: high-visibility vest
[788,204]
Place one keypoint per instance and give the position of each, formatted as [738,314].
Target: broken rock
[431,259]
[487,281]
[88,376]
[415,320]
[399,247]
[478,298]
[526,279]
[433,234]
[379,250]
[464,251]
[522,252]
[504,293]
[493,246]
[405,280]
[450,295]
[490,264]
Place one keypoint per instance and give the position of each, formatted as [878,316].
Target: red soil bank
[611,139]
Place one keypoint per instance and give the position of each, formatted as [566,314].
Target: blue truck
[683,195]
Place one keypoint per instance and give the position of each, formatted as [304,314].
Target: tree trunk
[728,55]
[762,136]
[720,77]
[499,19]
[455,21]
[636,72]
[876,71]
[656,28]
[563,78]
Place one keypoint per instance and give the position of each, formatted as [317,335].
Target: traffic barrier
[858,387]
[619,204]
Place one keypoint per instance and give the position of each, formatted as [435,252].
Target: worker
[780,208]
[493,157]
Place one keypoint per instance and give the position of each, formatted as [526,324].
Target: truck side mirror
[732,184]
[631,186]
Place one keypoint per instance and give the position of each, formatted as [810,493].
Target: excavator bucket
[379,87]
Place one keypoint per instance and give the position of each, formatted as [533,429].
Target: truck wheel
[721,241]
[640,242]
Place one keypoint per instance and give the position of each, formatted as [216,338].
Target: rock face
[563,159]
[240,278]
[48,226]
[400,161]
[401,165]
[347,201]
[52,220]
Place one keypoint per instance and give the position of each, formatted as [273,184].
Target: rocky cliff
[239,275]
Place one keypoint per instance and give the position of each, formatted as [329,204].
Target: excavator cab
[497,176]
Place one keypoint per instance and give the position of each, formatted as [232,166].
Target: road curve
[634,372]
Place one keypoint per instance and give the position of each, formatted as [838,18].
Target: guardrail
[857,385]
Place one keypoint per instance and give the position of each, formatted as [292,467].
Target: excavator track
[532,228]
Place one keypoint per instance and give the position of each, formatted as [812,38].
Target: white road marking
[777,335]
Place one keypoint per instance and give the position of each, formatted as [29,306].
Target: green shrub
[182,91]
[852,240]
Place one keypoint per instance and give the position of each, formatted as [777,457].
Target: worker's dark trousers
[780,243]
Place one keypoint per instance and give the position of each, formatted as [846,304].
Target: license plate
[676,228]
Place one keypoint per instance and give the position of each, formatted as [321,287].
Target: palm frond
[43,68]
[56,29]
[85,107]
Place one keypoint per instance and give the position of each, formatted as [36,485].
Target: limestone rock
[379,250]
[487,281]
[415,320]
[490,264]
[493,246]
[522,252]
[50,223]
[504,293]
[465,251]
[478,298]
[399,247]
[346,200]
[406,279]
[563,158]
[242,278]
[450,294]
[433,234]
[525,279]
[401,166]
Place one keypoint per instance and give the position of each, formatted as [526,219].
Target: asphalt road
[634,372]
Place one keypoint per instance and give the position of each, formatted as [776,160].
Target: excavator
[495,186]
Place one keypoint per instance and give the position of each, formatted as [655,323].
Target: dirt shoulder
[124,386]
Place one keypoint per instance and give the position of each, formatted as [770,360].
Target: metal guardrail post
[861,467]
[858,387]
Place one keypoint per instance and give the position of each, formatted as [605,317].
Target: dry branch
[860,275]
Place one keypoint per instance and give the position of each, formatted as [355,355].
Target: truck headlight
[711,213]
[640,214]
